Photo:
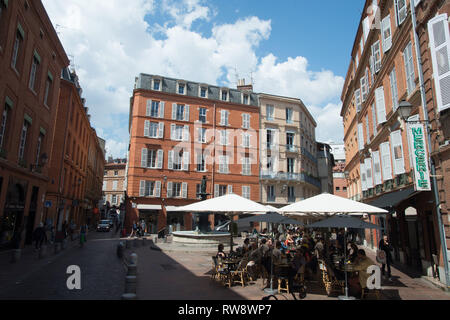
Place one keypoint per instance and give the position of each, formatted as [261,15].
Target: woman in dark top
[220,253]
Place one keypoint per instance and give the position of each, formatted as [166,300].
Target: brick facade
[31,60]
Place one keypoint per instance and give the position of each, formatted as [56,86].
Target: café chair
[282,274]
[240,274]
[330,281]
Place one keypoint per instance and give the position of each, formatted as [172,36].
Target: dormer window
[245,98]
[181,88]
[156,84]
[203,91]
[224,94]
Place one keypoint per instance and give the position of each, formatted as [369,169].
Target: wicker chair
[329,279]
[240,274]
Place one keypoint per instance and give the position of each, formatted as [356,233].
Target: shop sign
[419,157]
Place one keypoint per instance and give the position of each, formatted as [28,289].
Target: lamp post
[404,111]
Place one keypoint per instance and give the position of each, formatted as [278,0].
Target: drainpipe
[433,169]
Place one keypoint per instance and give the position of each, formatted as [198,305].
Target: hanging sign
[416,136]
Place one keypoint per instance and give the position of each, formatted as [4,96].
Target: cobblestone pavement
[181,272]
[102,273]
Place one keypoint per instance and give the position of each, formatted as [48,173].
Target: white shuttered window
[397,152]
[440,55]
[376,168]
[380,103]
[386,166]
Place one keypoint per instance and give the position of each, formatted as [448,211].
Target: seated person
[246,245]
[357,284]
[220,253]
[254,260]
[352,252]
[289,241]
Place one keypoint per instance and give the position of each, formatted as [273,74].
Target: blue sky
[295,48]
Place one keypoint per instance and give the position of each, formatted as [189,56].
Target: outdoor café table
[231,264]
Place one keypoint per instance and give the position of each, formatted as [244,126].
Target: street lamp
[404,111]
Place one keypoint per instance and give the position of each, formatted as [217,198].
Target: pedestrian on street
[39,236]
[72,229]
[134,230]
[386,246]
[83,234]
[142,227]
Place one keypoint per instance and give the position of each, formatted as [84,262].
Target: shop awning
[393,198]
[148,207]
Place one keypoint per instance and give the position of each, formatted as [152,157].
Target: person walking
[83,234]
[72,230]
[134,230]
[64,229]
[386,246]
[39,236]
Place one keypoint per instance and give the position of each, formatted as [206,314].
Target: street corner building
[181,131]
[31,60]
[51,160]
[395,115]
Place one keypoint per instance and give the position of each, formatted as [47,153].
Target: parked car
[103,225]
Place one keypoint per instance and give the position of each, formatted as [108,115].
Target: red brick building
[31,60]
[69,159]
[432,29]
[181,131]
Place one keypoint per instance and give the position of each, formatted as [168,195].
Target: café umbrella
[342,221]
[230,204]
[326,204]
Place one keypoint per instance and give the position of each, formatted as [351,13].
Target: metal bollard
[120,249]
[16,255]
[128,244]
[134,258]
[130,284]
[42,251]
[129,296]
[57,247]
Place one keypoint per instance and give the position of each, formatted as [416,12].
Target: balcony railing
[308,155]
[291,148]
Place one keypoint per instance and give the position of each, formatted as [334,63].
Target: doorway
[31,216]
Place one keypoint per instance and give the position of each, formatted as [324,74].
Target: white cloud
[112,41]
[329,123]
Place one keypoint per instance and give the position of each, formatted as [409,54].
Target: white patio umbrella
[326,204]
[229,204]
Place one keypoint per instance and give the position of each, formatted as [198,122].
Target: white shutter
[174,111]
[360,136]
[170,160]
[173,128]
[222,117]
[144,157]
[366,28]
[386,161]
[397,152]
[386,33]
[394,91]
[184,190]
[362,170]
[142,189]
[161,130]
[169,189]
[216,190]
[440,53]
[358,100]
[363,83]
[409,68]
[376,168]
[161,109]
[369,174]
[186,133]
[160,158]
[227,137]
[381,107]
[230,188]
[374,120]
[367,128]
[157,190]
[146,128]
[149,108]
[186,161]
[186,113]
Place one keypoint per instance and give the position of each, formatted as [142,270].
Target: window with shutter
[174,111]
[230,189]
[161,109]
[358,100]
[161,130]
[440,55]
[146,128]
[149,108]
[364,92]
[362,169]
[169,189]
[186,161]
[386,33]
[409,68]
[386,161]
[394,90]
[186,113]
[216,190]
[360,136]
[367,129]
[380,104]
[142,188]
[376,167]
[374,120]
[401,11]
[144,152]
[160,158]
[369,175]
[170,159]
[376,56]
[184,189]
[397,152]
[157,191]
